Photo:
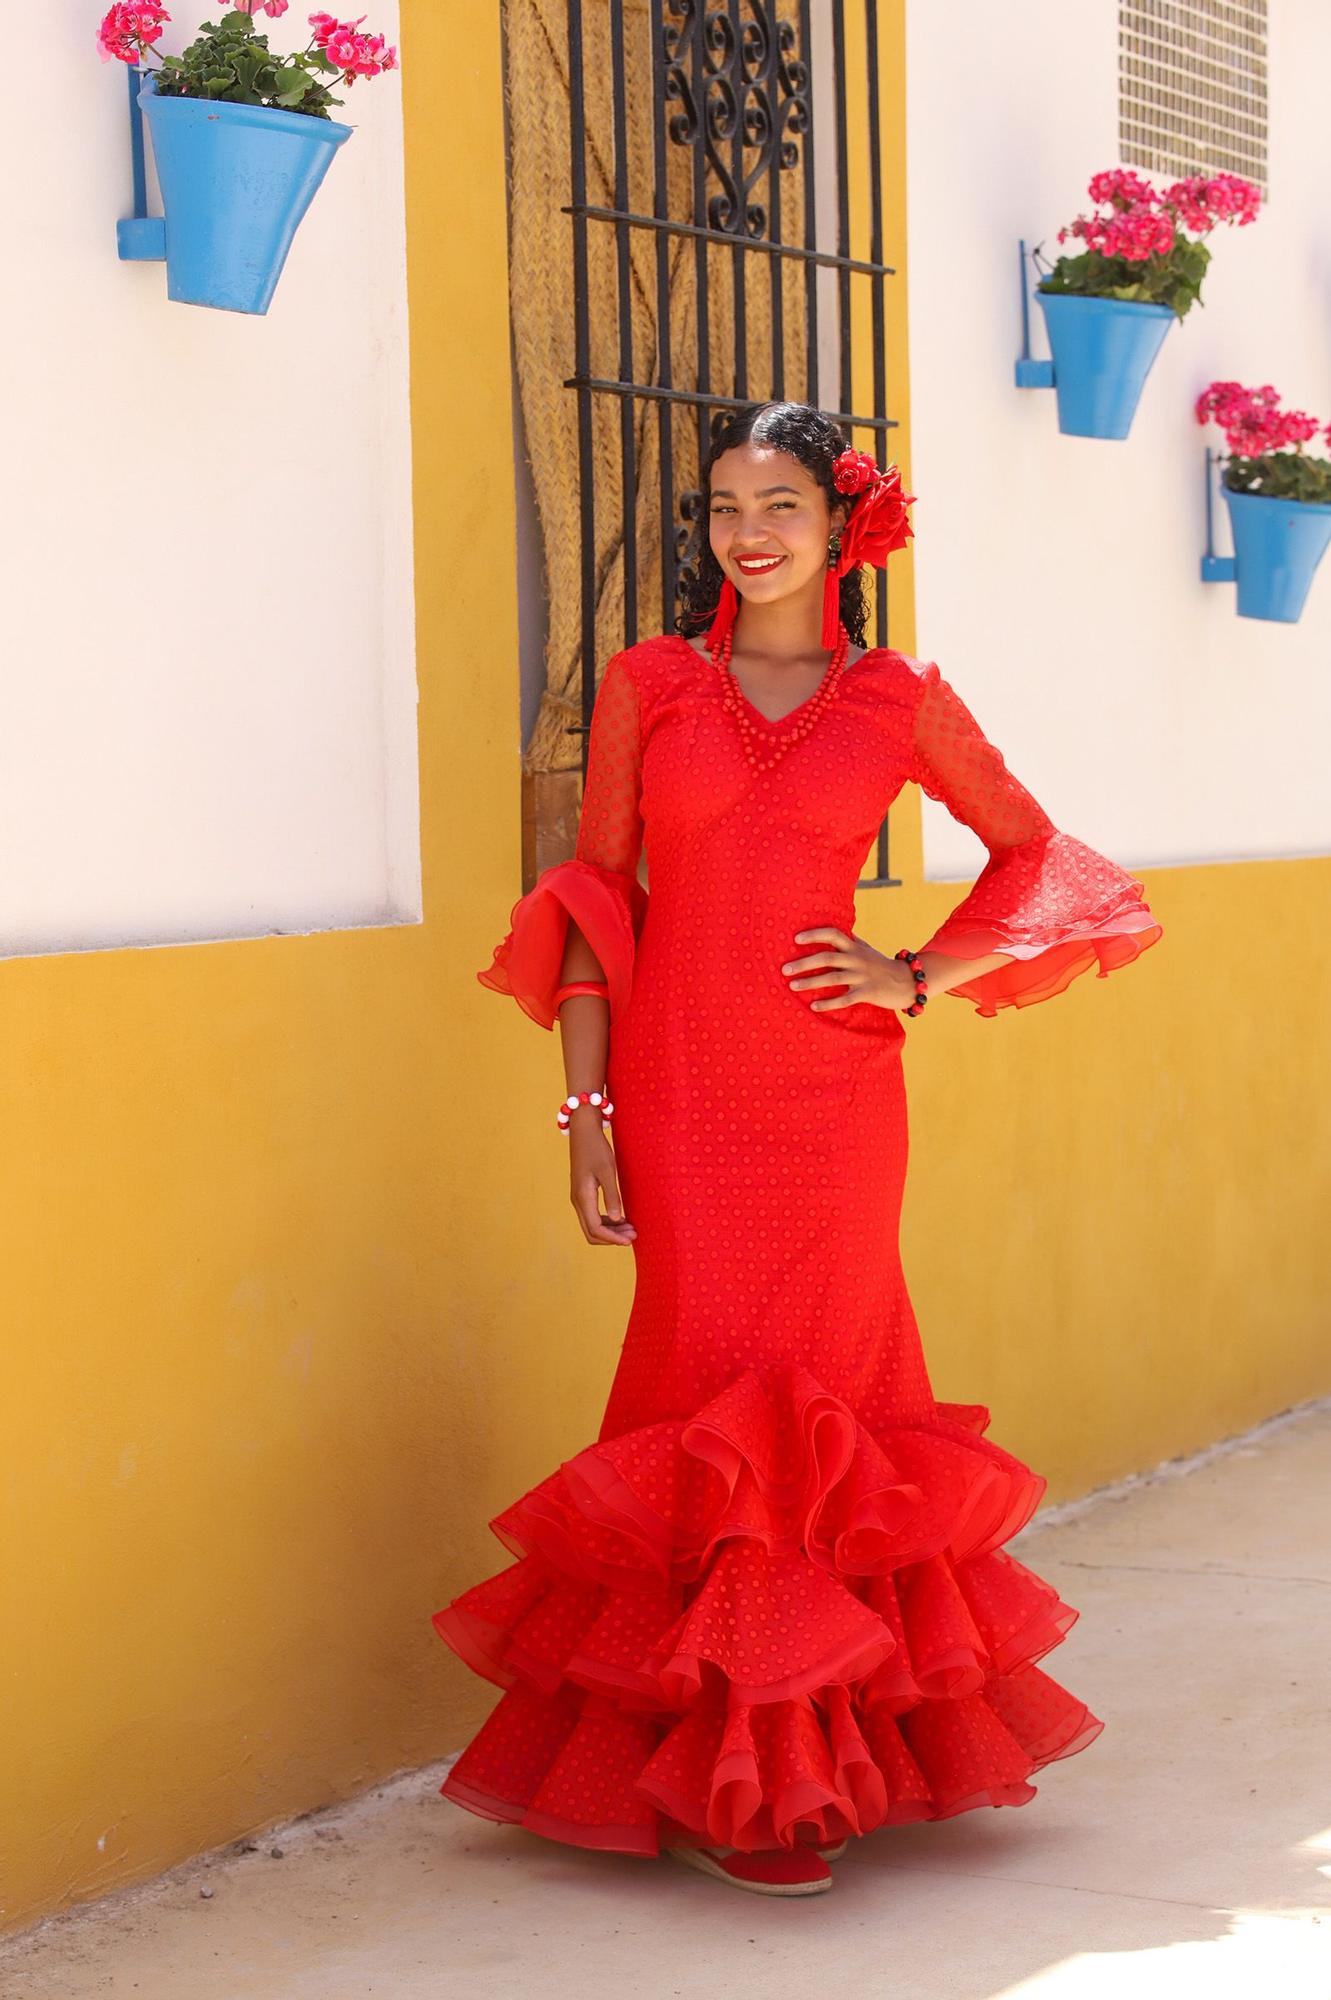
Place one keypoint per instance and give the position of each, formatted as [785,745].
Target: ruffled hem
[1009,910]
[608,908]
[764,1625]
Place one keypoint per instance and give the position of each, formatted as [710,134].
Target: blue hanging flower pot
[1103,350]
[1277,547]
[236,179]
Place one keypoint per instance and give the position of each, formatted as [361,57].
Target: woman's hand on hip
[843,959]
[592,1173]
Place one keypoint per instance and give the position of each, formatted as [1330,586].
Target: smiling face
[769,523]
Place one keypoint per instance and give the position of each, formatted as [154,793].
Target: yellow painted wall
[294,1297]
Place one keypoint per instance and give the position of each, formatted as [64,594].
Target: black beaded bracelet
[918,1004]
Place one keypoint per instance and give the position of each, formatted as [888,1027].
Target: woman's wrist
[586,1122]
[587,1107]
[912,963]
[903,983]
[944,970]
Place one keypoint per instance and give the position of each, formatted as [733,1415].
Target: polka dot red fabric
[770,1603]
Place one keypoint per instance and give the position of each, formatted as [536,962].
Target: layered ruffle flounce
[1057,907]
[608,908]
[764,1625]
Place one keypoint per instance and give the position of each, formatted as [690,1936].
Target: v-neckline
[768,721]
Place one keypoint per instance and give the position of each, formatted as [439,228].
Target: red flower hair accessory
[853,471]
[877,524]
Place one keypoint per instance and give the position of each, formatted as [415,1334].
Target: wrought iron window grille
[733,94]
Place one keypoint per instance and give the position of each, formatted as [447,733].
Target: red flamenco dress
[770,1604]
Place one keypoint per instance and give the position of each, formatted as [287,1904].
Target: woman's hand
[592,1172]
[868,975]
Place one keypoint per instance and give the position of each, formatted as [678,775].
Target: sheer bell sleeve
[598,888]
[1054,905]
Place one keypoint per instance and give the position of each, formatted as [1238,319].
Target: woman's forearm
[584,1023]
[942,971]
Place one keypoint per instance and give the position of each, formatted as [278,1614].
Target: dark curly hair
[816,441]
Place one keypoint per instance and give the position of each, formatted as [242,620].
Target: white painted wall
[1058,577]
[184,754]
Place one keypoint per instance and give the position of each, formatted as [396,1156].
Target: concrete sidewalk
[1187,1851]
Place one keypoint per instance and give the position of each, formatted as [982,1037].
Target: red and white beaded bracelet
[563,1117]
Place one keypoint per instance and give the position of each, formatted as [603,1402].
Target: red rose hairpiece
[853,471]
[877,524]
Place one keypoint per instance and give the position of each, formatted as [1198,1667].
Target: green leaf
[290,98]
[1280,475]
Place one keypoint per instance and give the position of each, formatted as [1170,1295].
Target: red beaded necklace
[762,751]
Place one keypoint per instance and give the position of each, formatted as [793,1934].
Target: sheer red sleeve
[598,888]
[1054,905]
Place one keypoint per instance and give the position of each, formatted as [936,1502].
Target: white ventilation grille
[1192,87]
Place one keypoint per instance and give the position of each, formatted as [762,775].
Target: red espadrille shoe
[798,1872]
[834,1852]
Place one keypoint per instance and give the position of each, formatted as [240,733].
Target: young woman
[768,1608]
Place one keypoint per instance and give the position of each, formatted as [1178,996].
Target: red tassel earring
[832,595]
[723,619]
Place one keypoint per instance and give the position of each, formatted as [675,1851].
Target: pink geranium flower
[1134,233]
[1252,420]
[370,53]
[326,26]
[1142,222]
[128,28]
[1123,188]
[1202,200]
[111,40]
[342,47]
[144,19]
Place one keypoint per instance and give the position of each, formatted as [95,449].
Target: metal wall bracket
[1215,569]
[1031,374]
[140,238]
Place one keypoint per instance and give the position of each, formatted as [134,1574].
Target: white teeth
[755,565]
